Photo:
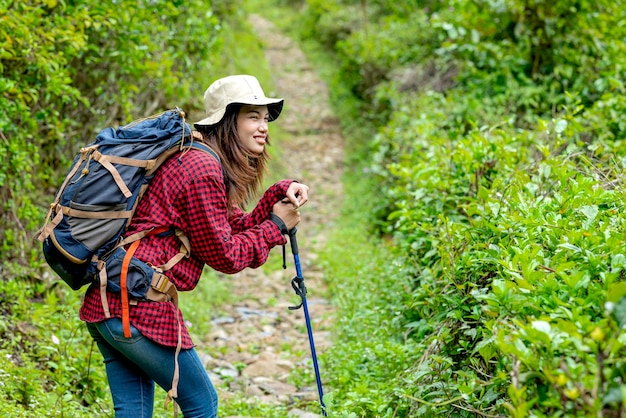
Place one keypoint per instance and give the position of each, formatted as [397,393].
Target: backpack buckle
[160,282]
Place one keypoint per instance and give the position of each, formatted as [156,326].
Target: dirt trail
[260,339]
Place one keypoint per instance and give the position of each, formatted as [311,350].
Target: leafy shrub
[513,58]
[69,69]
[499,165]
[514,236]
[39,329]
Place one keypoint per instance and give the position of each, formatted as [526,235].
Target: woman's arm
[213,239]
[240,221]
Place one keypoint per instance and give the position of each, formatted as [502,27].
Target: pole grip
[293,241]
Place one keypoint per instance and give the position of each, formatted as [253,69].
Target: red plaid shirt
[188,193]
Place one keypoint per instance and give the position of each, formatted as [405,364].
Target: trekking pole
[298,286]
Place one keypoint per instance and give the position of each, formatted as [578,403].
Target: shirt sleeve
[213,240]
[240,221]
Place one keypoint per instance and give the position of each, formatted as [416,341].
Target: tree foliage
[69,69]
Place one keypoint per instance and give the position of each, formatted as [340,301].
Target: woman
[201,196]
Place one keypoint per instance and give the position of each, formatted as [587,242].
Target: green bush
[503,59]
[47,360]
[498,163]
[516,242]
[67,70]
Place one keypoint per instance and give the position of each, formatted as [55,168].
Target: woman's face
[252,127]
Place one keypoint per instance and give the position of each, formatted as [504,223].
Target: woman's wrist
[279,223]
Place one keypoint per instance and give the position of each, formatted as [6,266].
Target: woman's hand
[298,194]
[288,213]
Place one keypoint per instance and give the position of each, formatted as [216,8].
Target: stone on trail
[298,413]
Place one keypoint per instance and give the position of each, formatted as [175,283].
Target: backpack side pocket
[138,279]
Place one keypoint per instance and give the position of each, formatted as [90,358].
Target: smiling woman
[231,130]
[252,128]
[201,196]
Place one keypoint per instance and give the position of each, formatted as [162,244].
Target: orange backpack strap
[124,290]
[124,273]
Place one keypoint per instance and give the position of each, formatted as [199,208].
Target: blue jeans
[134,364]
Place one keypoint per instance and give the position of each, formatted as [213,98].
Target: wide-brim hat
[236,89]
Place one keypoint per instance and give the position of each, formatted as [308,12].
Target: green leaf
[560,126]
[616,292]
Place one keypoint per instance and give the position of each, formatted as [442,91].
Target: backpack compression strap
[124,290]
[107,162]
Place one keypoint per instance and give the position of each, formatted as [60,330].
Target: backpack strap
[55,207]
[124,290]
[102,267]
[205,148]
[108,160]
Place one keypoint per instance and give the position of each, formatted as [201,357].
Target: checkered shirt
[188,193]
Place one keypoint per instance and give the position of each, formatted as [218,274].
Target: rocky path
[259,339]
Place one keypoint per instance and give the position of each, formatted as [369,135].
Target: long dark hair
[244,171]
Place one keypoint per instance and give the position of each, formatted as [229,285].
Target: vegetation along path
[259,341]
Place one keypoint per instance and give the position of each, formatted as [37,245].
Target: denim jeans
[134,364]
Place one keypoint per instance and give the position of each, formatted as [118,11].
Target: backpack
[100,193]
[82,236]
